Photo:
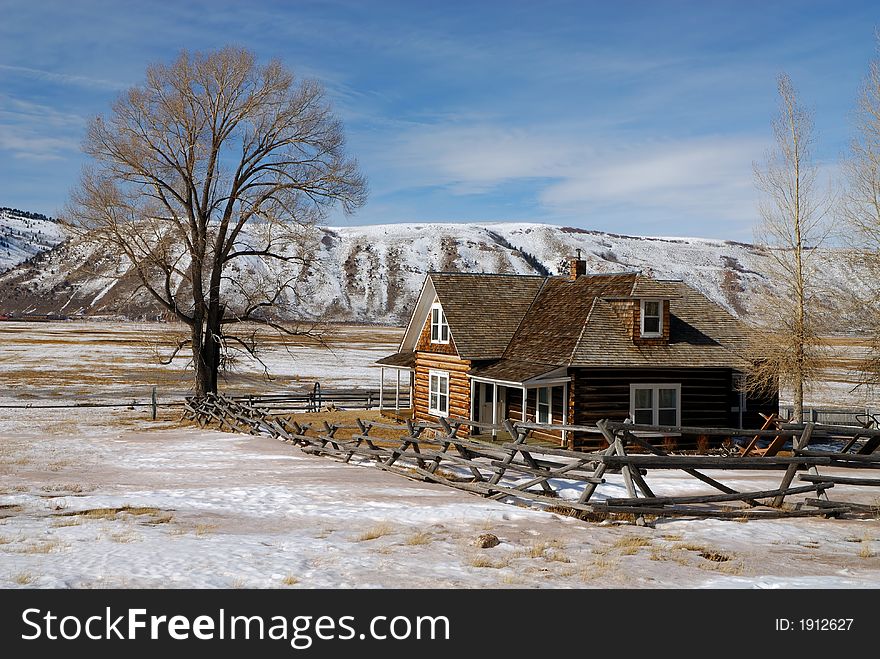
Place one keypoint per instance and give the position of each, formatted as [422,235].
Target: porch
[541,398]
[396,397]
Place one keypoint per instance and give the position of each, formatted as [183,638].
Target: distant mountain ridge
[374,273]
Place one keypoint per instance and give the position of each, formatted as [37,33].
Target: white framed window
[439,327]
[652,318]
[545,400]
[438,393]
[655,404]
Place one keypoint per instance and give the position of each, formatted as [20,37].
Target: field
[105,497]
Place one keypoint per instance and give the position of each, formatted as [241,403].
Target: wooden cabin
[573,350]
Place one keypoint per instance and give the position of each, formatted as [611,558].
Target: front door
[486,390]
[485,402]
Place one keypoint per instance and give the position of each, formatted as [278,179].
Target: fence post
[154,402]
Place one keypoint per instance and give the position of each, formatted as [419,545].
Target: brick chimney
[577,266]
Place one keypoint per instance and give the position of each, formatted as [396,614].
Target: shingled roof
[527,326]
[484,311]
[399,360]
[554,324]
[701,334]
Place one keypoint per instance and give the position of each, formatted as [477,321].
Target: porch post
[494,408]
[473,407]
[525,401]
[564,411]
[381,385]
[397,391]
[412,402]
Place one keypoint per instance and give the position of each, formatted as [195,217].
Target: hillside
[373,273]
[23,234]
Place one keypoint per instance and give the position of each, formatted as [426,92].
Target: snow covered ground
[87,361]
[210,509]
[94,498]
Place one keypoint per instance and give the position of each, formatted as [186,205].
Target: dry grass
[631,544]
[690,546]
[69,521]
[602,564]
[67,488]
[375,532]
[549,550]
[418,538]
[715,556]
[44,547]
[726,567]
[679,556]
[481,560]
[866,551]
[23,578]
[205,529]
[238,583]
[125,537]
[111,513]
[4,540]
[290,580]
[672,537]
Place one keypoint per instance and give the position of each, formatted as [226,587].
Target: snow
[245,511]
[374,273]
[222,510]
[22,237]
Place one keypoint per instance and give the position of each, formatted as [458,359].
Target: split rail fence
[318,398]
[517,470]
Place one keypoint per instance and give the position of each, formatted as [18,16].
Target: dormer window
[439,327]
[652,318]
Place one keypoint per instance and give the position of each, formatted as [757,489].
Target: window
[544,400]
[655,404]
[438,393]
[652,317]
[439,328]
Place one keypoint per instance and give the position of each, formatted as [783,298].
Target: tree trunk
[798,406]
[206,356]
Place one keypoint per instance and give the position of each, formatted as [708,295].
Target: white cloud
[710,175]
[27,144]
[63,78]
[573,171]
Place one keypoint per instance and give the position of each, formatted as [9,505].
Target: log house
[575,349]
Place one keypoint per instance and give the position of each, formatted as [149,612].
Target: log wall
[459,385]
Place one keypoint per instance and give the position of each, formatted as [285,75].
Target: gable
[483,311]
[425,344]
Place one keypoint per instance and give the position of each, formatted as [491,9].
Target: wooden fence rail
[518,470]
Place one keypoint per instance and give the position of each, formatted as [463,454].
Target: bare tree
[860,213]
[208,179]
[793,224]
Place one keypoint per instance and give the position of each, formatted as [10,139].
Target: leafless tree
[860,213]
[208,179]
[794,223]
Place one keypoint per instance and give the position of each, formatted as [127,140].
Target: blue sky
[630,117]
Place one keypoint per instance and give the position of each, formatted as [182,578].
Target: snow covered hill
[373,273]
[23,234]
